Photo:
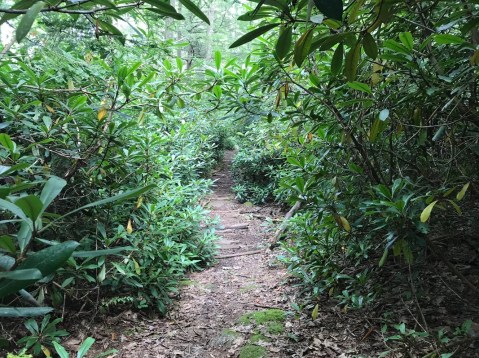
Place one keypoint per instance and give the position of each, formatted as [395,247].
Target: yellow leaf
[49,109]
[70,85]
[88,57]
[461,194]
[46,351]
[426,213]
[129,227]
[315,312]
[137,267]
[102,113]
[139,202]
[345,224]
[331,292]
[376,78]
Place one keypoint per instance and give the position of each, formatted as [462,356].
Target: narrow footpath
[242,306]
[238,307]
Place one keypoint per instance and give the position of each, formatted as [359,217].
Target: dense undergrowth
[362,112]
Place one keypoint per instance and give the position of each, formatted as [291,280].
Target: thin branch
[77,12]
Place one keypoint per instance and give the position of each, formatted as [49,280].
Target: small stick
[240,254]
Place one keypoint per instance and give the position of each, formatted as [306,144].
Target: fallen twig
[239,254]
[282,227]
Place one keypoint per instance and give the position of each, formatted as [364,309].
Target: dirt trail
[211,318]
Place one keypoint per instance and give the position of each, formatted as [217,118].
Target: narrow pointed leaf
[461,194]
[370,46]
[22,275]
[250,36]
[352,62]
[315,312]
[6,205]
[426,213]
[85,346]
[47,261]
[218,60]
[337,60]
[27,20]
[105,252]
[302,46]
[30,205]
[284,42]
[24,311]
[50,191]
[195,10]
[62,353]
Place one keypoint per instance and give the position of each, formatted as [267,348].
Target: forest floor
[242,305]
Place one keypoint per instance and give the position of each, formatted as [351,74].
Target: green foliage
[43,334]
[254,168]
[69,153]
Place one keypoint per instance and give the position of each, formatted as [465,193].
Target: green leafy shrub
[254,173]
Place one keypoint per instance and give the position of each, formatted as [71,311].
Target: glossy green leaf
[22,275]
[15,312]
[330,8]
[7,143]
[62,353]
[284,42]
[250,36]
[175,15]
[302,46]
[27,20]
[24,235]
[218,60]
[396,47]
[6,262]
[14,209]
[352,62]
[6,243]
[111,29]
[105,252]
[337,60]
[252,15]
[359,86]
[217,91]
[195,10]
[47,261]
[50,191]
[370,46]
[31,205]
[85,346]
[407,40]
[447,39]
